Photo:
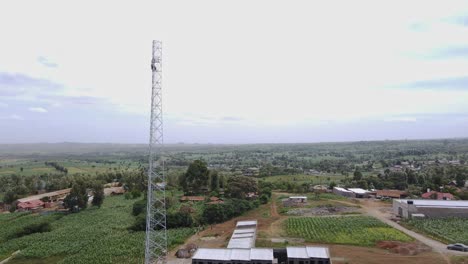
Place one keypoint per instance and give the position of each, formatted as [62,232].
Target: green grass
[350,230]
[91,236]
[447,230]
[37,167]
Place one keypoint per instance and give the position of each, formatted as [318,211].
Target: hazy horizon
[235,73]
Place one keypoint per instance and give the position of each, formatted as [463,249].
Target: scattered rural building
[351,192]
[215,200]
[32,205]
[312,172]
[308,254]
[295,201]
[395,194]
[244,235]
[430,208]
[437,196]
[192,199]
[343,192]
[318,188]
[298,199]
[359,193]
[51,196]
[114,191]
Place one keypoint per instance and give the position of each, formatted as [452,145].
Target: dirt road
[435,245]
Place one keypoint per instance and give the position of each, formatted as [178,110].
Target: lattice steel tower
[156,235]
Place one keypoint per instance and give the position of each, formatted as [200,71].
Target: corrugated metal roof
[341,189]
[437,203]
[212,253]
[40,196]
[261,254]
[307,252]
[358,190]
[244,230]
[240,254]
[246,223]
[234,254]
[318,252]
[243,235]
[245,242]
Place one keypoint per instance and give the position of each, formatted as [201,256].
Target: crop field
[37,167]
[351,230]
[449,230]
[91,236]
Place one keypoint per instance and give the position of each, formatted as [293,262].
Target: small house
[298,199]
[30,205]
[192,199]
[394,194]
[437,196]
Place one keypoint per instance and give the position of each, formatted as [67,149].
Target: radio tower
[156,235]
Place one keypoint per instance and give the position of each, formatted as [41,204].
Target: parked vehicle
[458,246]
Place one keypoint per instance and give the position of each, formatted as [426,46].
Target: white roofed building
[233,256]
[343,192]
[308,255]
[359,193]
[430,208]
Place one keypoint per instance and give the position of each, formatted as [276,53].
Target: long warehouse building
[430,208]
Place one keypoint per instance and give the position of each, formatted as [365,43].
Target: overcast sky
[234,71]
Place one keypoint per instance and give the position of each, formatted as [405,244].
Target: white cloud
[3,105]
[38,109]
[270,63]
[12,117]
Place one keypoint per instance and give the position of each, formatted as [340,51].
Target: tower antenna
[156,232]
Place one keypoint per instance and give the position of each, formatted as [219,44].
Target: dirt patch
[361,255]
[406,249]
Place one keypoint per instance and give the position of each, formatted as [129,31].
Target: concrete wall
[443,212]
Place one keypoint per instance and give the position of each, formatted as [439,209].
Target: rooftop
[228,254]
[358,190]
[40,196]
[436,203]
[244,235]
[246,223]
[308,252]
[341,189]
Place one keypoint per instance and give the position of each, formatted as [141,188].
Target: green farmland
[350,230]
[448,230]
[91,236]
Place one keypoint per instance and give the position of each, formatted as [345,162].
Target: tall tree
[239,186]
[78,197]
[98,194]
[197,176]
[214,181]
[357,175]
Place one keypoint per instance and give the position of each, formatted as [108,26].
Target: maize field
[449,230]
[350,230]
